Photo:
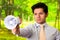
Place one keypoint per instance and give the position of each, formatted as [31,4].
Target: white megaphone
[11,22]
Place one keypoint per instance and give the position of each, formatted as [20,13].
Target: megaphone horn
[11,22]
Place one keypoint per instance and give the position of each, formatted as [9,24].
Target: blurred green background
[22,8]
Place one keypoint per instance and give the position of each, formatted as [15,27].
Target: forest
[22,9]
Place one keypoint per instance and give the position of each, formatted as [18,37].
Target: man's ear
[46,14]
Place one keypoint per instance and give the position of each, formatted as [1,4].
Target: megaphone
[11,22]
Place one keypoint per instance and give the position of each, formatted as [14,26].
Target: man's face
[39,15]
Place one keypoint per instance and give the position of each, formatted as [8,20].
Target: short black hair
[40,5]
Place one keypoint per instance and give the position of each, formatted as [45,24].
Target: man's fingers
[17,29]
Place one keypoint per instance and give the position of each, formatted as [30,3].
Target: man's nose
[38,16]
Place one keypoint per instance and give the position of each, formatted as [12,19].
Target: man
[40,30]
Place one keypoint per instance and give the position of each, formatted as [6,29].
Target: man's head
[40,11]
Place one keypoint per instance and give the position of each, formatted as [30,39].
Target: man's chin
[40,22]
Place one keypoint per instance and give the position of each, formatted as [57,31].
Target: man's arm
[24,32]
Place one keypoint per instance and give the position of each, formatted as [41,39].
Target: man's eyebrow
[40,13]
[35,13]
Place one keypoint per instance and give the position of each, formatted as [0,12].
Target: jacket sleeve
[26,32]
[57,35]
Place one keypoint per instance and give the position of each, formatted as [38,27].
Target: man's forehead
[38,10]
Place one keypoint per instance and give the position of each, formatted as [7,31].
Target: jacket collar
[38,25]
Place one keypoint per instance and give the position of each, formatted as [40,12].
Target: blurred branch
[57,16]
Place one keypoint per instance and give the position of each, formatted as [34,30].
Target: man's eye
[41,13]
[35,14]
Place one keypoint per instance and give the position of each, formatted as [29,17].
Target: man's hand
[17,29]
